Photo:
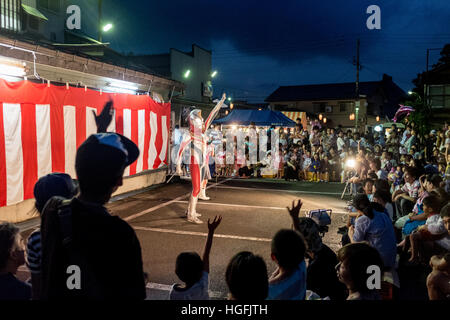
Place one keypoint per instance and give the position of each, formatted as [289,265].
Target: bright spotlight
[350,163]
[378,129]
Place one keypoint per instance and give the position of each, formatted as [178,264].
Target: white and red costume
[199,164]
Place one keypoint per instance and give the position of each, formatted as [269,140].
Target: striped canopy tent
[42,126]
[294,115]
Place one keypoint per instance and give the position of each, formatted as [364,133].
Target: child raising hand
[194,271]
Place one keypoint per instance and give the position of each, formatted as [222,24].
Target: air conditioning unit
[329,109]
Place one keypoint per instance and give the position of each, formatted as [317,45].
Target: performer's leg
[202,195]
[192,215]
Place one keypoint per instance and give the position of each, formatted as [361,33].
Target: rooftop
[335,91]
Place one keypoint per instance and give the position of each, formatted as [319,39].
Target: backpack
[63,255]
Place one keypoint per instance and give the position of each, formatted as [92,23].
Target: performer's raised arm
[214,112]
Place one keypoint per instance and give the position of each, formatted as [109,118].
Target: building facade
[191,68]
[337,102]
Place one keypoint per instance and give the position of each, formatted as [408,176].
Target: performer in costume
[200,151]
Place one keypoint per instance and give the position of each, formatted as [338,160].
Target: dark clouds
[293,36]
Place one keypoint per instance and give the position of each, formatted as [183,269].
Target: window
[319,106]
[439,96]
[345,106]
[10,14]
[51,5]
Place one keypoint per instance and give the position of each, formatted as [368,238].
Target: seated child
[434,232]
[417,217]
[194,271]
[396,177]
[314,167]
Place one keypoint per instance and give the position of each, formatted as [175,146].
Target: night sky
[260,45]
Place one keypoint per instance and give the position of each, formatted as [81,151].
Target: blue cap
[51,185]
[103,155]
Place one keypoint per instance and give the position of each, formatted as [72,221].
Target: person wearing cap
[83,233]
[47,187]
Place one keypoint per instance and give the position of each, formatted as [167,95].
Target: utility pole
[100,35]
[357,103]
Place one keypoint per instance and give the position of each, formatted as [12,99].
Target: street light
[187,73]
[213,74]
[107,27]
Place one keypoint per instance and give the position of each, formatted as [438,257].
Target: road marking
[166,287]
[234,205]
[259,207]
[279,190]
[162,205]
[201,234]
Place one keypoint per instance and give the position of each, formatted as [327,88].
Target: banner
[42,126]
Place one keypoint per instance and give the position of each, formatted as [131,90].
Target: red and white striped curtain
[42,126]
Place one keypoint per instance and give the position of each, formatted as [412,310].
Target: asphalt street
[253,210]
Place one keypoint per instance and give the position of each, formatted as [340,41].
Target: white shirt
[340,143]
[435,225]
[306,163]
[199,291]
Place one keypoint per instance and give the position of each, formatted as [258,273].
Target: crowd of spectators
[393,219]
[320,153]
